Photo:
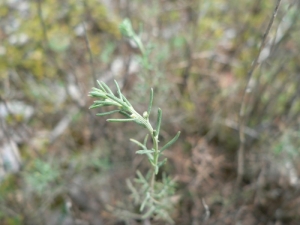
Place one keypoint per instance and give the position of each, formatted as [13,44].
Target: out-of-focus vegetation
[60,164]
[154,197]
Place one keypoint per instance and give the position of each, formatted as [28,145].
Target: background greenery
[62,165]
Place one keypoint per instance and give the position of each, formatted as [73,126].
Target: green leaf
[150,157]
[150,102]
[149,213]
[138,143]
[158,123]
[97,94]
[125,100]
[126,28]
[161,163]
[106,103]
[119,91]
[156,169]
[145,201]
[141,179]
[170,142]
[124,113]
[100,85]
[133,190]
[141,152]
[145,140]
[111,96]
[106,88]
[140,176]
[119,120]
[151,161]
[95,106]
[107,113]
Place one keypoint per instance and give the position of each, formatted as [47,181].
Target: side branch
[246,95]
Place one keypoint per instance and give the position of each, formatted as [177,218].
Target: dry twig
[246,95]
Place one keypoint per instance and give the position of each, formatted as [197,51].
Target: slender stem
[140,45]
[88,46]
[155,146]
[108,98]
[156,155]
[245,100]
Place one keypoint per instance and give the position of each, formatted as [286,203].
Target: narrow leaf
[150,157]
[141,177]
[139,181]
[125,100]
[149,174]
[156,170]
[95,106]
[151,161]
[149,213]
[100,85]
[106,88]
[100,102]
[107,113]
[141,152]
[119,120]
[145,201]
[119,91]
[145,140]
[161,163]
[124,113]
[111,96]
[170,142]
[133,190]
[138,143]
[106,103]
[98,91]
[158,123]
[97,94]
[150,102]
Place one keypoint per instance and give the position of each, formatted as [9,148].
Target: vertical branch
[187,70]
[43,25]
[88,46]
[245,99]
[207,211]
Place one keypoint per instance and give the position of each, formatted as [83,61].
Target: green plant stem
[137,40]
[156,155]
[155,146]
[149,197]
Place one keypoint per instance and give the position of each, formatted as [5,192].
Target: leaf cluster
[152,196]
[157,204]
[107,98]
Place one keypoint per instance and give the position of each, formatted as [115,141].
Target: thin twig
[43,25]
[247,91]
[207,211]
[88,46]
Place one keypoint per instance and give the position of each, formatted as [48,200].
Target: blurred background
[60,164]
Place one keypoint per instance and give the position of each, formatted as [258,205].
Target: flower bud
[145,115]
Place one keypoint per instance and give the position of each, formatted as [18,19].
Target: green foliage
[41,176]
[45,62]
[153,197]
[107,52]
[127,30]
